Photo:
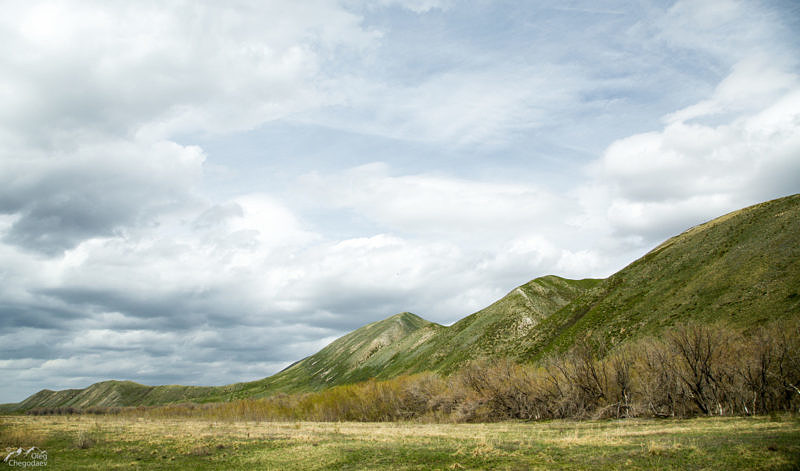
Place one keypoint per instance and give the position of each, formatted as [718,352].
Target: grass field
[107,442]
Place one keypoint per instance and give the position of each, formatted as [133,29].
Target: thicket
[690,370]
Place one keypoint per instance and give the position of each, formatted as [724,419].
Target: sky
[204,192]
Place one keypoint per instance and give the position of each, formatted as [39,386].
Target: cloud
[94,95]
[160,68]
[433,204]
[107,185]
[752,83]
[417,6]
[177,275]
[447,239]
[726,31]
[735,146]
[485,104]
[664,181]
[252,261]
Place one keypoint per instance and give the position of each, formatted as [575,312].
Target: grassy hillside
[494,331]
[406,343]
[742,269]
[355,357]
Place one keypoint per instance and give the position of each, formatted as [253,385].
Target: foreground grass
[107,442]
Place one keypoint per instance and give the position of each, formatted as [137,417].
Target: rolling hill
[742,269]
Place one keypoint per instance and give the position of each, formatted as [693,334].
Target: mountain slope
[742,268]
[351,358]
[406,343]
[493,331]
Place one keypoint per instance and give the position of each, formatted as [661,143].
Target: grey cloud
[245,344]
[61,201]
[62,221]
[35,314]
[175,310]
[351,305]
[29,344]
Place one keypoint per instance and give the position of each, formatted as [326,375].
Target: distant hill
[742,268]
[111,394]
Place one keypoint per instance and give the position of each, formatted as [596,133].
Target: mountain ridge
[742,268]
[381,349]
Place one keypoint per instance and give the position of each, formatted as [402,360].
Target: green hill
[491,331]
[355,357]
[496,330]
[742,269]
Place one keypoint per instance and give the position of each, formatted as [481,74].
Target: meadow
[125,442]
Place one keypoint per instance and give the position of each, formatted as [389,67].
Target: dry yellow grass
[130,442]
